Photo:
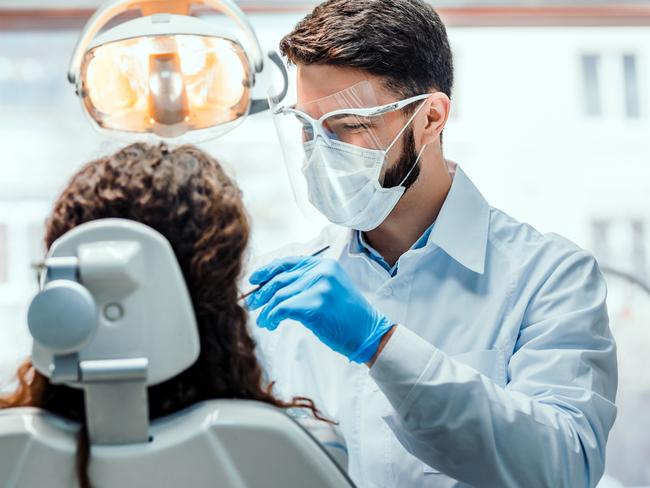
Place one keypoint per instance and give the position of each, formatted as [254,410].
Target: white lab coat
[502,371]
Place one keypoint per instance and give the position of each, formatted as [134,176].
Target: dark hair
[403,41]
[185,195]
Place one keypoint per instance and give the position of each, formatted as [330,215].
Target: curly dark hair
[186,196]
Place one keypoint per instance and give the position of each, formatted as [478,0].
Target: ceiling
[66,14]
[301,4]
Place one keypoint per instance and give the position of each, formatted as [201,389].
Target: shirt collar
[359,245]
[462,226]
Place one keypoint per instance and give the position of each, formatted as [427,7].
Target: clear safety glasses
[358,127]
[167,84]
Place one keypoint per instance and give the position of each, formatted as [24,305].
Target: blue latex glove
[319,294]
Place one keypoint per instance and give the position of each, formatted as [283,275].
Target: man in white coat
[455,345]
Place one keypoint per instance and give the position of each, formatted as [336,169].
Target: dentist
[455,345]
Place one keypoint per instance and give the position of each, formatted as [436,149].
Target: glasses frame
[317,124]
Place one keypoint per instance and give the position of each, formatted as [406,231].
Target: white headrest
[114,291]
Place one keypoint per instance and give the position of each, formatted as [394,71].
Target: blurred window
[639,246]
[600,246]
[631,83]
[591,84]
[622,245]
[36,243]
[455,105]
[4,258]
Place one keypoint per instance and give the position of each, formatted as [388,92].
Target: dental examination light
[167,72]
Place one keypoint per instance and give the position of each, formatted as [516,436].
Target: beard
[398,171]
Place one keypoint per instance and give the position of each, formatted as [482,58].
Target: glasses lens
[352,129]
[306,128]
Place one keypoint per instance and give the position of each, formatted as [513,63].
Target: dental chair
[113,317]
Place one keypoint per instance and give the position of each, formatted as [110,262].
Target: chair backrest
[221,443]
[114,317]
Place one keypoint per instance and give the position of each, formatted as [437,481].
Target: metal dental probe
[250,292]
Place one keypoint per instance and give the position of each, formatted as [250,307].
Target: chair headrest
[112,289]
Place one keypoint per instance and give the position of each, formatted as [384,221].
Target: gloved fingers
[296,307]
[267,272]
[294,294]
[260,297]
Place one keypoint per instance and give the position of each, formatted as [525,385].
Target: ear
[436,113]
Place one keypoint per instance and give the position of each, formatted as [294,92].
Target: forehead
[318,81]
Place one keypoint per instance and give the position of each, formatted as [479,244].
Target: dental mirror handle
[249,293]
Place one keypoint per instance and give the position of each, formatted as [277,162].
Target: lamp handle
[262,104]
[104,14]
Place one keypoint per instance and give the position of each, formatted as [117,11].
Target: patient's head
[186,196]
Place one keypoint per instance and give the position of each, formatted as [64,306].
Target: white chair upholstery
[113,318]
[222,443]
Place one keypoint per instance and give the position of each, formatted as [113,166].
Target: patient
[185,195]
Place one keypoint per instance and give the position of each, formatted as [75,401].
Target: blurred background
[550,118]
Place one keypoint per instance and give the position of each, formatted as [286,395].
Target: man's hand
[319,294]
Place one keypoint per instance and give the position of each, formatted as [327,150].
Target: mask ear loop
[417,160]
[399,134]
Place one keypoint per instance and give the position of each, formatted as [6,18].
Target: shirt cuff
[401,364]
